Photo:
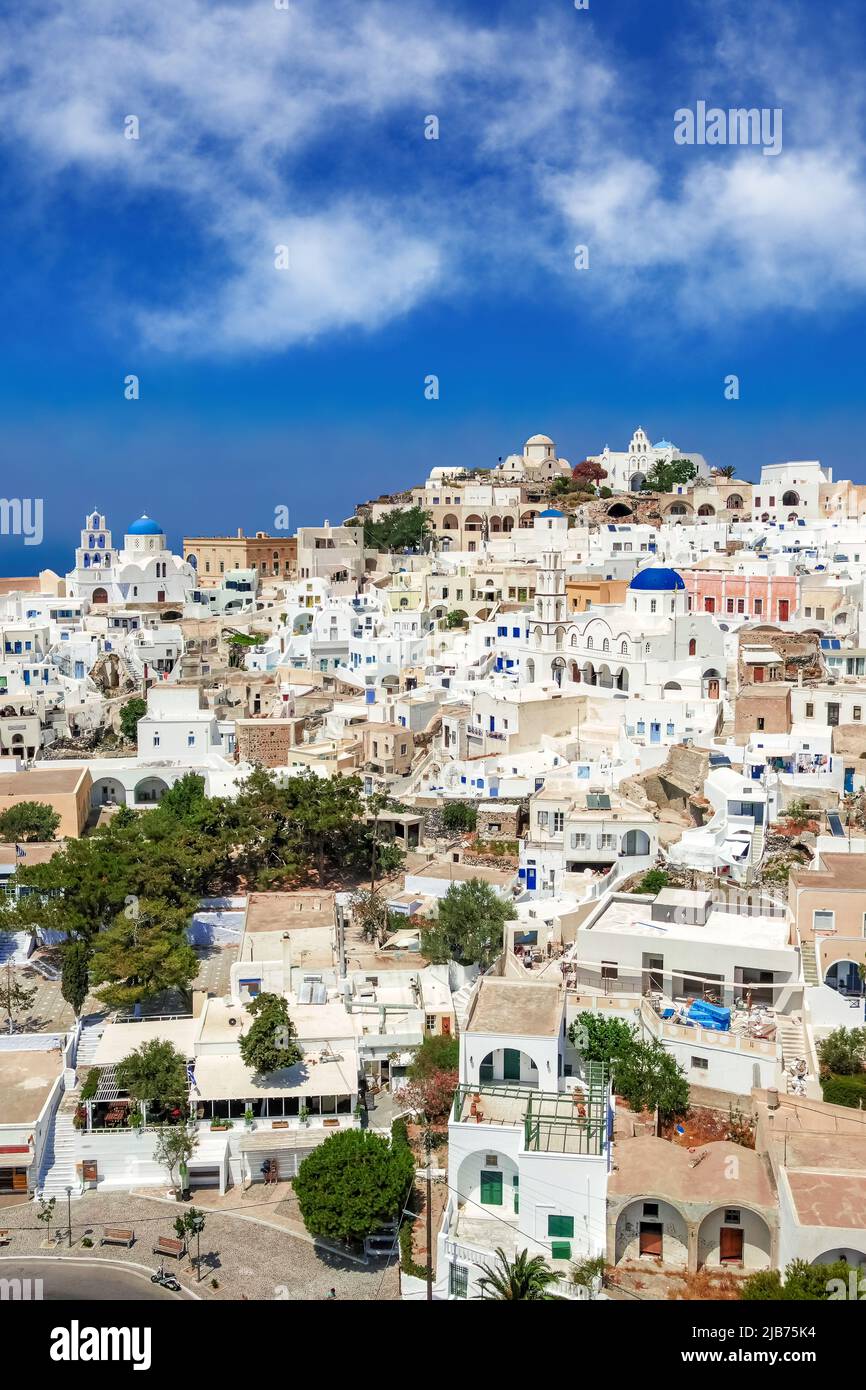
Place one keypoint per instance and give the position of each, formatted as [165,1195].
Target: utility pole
[428,1144]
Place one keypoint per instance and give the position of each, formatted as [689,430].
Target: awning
[16,1158]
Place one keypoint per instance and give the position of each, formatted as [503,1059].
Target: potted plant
[248,1117]
[135,1118]
[304,1115]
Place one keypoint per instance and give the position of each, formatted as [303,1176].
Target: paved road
[65,1280]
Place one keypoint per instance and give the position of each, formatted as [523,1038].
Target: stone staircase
[810,964]
[92,1029]
[58,1160]
[756,851]
[790,1033]
[460,1000]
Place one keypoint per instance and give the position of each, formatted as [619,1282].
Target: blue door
[849,779]
[655,733]
[530,879]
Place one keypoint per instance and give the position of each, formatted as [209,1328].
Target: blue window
[583,772]
[641,726]
[515,632]
[502,632]
[463,780]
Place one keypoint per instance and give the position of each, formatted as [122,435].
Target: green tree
[75,976]
[352,1184]
[459,815]
[174,1147]
[192,1223]
[155,1073]
[664,477]
[469,925]
[601,1038]
[403,528]
[649,1078]
[14,997]
[437,1052]
[456,618]
[526,1277]
[27,822]
[144,952]
[843,1051]
[270,1044]
[45,1214]
[130,714]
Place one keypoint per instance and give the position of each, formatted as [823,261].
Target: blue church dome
[655,579]
[145,526]
[551,511]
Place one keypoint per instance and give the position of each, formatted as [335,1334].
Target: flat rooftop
[839,871]
[632,917]
[26,1079]
[647,1164]
[516,1009]
[43,781]
[285,911]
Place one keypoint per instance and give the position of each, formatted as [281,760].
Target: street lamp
[69,1216]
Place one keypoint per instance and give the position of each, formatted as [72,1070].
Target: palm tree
[727,472]
[525,1277]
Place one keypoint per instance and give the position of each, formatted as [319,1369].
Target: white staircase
[789,1032]
[757,847]
[92,1029]
[810,964]
[460,1000]
[58,1160]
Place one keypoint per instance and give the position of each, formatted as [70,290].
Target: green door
[511,1064]
[491,1188]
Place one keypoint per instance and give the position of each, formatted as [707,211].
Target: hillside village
[508,836]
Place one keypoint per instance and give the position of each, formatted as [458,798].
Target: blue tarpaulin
[710,1016]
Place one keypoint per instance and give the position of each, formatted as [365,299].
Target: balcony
[565,1122]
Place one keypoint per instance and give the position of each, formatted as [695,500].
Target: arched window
[623,647]
[693,647]
[605,646]
[589,644]
[574,639]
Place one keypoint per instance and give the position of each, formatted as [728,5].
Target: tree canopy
[270,1043]
[664,477]
[353,1183]
[801,1281]
[469,925]
[643,1073]
[154,1073]
[403,528]
[130,713]
[28,821]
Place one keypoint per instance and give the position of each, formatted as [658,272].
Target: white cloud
[304,126]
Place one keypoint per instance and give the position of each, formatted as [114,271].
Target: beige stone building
[267,741]
[65,789]
[215,556]
[388,748]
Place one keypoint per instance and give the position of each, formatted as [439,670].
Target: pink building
[765,598]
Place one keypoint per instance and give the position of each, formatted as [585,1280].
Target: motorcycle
[167,1281]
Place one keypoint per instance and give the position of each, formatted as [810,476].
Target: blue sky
[305,128]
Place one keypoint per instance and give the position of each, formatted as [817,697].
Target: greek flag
[190,1076]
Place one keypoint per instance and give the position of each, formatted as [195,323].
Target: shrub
[653,881]
[352,1184]
[408,1263]
[91,1085]
[845,1090]
[843,1051]
[436,1053]
[459,815]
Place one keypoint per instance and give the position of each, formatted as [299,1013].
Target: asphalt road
[76,1281]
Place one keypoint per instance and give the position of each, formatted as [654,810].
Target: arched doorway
[712,684]
[557,667]
[844,976]
[790,498]
[706,510]
[622,679]
[734,1236]
[652,1230]
[636,842]
[734,502]
[530,670]
[107,791]
[508,1065]
[150,790]
[99,596]
[637,482]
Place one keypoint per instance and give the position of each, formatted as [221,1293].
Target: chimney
[772,1098]
[240,533]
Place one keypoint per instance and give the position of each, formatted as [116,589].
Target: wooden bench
[118,1235]
[167,1245]
[279,1124]
[329,1124]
